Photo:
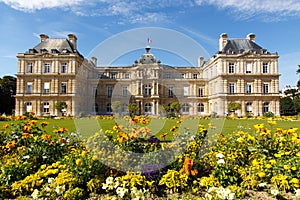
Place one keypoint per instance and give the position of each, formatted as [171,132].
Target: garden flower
[27,128]
[272,122]
[261,174]
[35,194]
[295,182]
[220,155]
[78,162]
[122,137]
[11,144]
[296,138]
[262,185]
[44,123]
[5,126]
[121,191]
[274,192]
[221,161]
[268,166]
[27,135]
[46,137]
[116,127]
[94,158]
[60,189]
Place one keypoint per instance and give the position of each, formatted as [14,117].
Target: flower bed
[128,162]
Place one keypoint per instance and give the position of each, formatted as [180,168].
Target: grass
[160,126]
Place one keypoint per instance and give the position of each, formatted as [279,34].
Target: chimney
[73,40]
[94,61]
[251,37]
[43,37]
[222,41]
[200,61]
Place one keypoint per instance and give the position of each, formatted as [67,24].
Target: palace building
[54,71]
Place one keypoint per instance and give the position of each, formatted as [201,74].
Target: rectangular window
[109,91]
[185,91]
[47,68]
[266,88]
[63,87]
[201,94]
[265,68]
[113,76]
[249,107]
[181,75]
[29,67]
[64,68]
[28,107]
[170,92]
[195,76]
[125,91]
[167,76]
[126,76]
[231,88]
[231,68]
[46,87]
[248,87]
[46,107]
[29,87]
[248,68]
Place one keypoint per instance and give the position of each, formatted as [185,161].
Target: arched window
[249,107]
[185,108]
[148,108]
[28,107]
[266,107]
[108,108]
[200,107]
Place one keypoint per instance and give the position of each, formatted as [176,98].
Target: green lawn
[159,126]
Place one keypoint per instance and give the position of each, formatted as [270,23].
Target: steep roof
[238,46]
[57,44]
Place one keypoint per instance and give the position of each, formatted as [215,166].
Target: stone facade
[241,71]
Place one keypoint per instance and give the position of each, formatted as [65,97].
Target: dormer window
[43,50]
[32,51]
[54,51]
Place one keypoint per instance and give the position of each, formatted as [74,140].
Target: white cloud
[267,10]
[263,8]
[32,5]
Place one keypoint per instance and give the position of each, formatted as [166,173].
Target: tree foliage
[7,92]
[234,106]
[116,106]
[60,106]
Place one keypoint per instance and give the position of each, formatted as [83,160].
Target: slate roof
[54,45]
[240,46]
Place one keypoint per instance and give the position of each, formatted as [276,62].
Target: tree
[7,92]
[176,106]
[234,106]
[116,106]
[287,106]
[61,106]
[132,108]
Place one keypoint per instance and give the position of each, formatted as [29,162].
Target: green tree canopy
[7,92]
[234,106]
[60,106]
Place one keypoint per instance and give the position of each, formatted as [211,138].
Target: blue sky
[276,24]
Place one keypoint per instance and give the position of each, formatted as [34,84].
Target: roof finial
[147,49]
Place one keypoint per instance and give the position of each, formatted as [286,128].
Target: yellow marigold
[32,122]
[261,174]
[272,122]
[268,166]
[240,139]
[27,128]
[94,158]
[43,166]
[44,123]
[46,137]
[296,138]
[78,162]
[27,135]
[122,137]
[83,153]
[294,168]
[116,127]
[11,144]
[273,162]
[286,167]
[294,181]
